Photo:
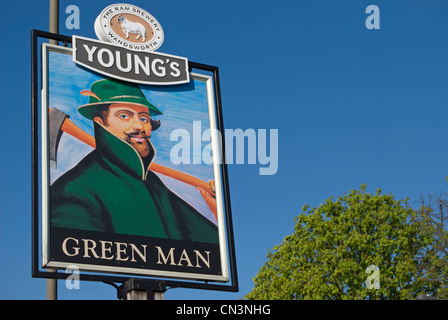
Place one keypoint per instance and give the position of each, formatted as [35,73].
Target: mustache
[141,134]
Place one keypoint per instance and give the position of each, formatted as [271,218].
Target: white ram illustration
[132,27]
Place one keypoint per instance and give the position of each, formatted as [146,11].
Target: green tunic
[111,191]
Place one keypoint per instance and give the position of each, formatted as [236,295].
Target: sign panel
[118,193]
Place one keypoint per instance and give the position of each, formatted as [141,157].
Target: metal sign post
[134,289]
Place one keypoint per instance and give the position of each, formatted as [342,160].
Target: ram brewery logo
[129,26]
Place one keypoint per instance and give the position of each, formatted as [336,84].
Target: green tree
[433,266]
[333,244]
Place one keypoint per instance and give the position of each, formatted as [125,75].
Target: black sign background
[92,248]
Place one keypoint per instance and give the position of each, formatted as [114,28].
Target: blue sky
[351,106]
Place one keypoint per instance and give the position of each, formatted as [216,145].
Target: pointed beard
[140,142]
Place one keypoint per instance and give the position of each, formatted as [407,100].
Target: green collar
[121,153]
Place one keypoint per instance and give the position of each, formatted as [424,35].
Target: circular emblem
[130,27]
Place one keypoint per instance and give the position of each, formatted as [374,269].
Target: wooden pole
[54,19]
[52,284]
[143,295]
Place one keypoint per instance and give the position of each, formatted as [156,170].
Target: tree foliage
[433,266]
[332,245]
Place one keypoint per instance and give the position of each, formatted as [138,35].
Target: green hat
[110,91]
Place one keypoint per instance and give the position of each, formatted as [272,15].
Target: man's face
[131,124]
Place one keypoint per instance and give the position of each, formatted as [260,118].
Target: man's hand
[209,199]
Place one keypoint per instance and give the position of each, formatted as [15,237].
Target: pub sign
[117,191]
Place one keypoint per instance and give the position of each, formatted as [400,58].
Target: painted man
[112,188]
